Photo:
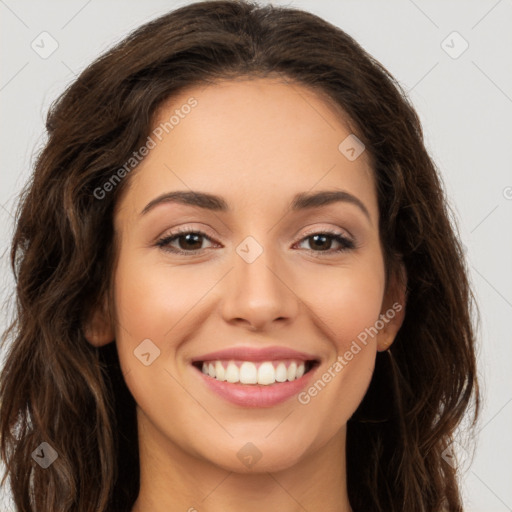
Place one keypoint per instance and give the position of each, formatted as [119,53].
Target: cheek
[145,310]
[151,298]
[148,307]
[340,386]
[158,302]
[346,301]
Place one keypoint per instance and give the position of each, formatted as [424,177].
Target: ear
[98,328]
[393,309]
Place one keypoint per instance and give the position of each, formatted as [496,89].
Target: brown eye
[322,242]
[188,242]
[191,242]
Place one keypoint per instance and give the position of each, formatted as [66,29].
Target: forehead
[246,106]
[249,139]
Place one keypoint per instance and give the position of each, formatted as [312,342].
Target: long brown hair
[57,388]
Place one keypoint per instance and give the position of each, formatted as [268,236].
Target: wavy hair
[55,387]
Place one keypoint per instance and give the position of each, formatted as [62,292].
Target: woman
[260,366]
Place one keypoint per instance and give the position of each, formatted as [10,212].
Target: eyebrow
[301,201]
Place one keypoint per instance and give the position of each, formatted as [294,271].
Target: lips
[256,377]
[256,354]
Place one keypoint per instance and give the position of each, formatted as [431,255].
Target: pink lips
[255,354]
[254,395]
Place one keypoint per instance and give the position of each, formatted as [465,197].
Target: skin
[256,143]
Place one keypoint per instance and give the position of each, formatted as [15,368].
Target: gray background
[465,105]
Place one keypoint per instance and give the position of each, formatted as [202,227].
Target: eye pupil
[189,237]
[323,237]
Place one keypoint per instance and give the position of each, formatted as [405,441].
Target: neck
[173,479]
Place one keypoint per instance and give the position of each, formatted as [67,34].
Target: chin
[259,455]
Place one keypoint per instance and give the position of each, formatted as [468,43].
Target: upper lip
[256,354]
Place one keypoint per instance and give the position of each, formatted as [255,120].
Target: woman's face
[261,270]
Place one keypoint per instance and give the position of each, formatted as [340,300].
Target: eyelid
[311,231]
[182,231]
[188,228]
[347,242]
[330,230]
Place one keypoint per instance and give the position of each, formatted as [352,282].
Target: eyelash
[346,244]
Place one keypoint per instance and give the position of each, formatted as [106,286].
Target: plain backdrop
[463,96]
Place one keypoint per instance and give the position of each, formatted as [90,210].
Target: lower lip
[257,395]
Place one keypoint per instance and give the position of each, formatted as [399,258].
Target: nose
[259,293]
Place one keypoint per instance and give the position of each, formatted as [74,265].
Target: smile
[264,373]
[256,384]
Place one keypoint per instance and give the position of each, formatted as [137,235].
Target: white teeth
[220,373]
[232,373]
[292,370]
[264,373]
[281,373]
[248,373]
